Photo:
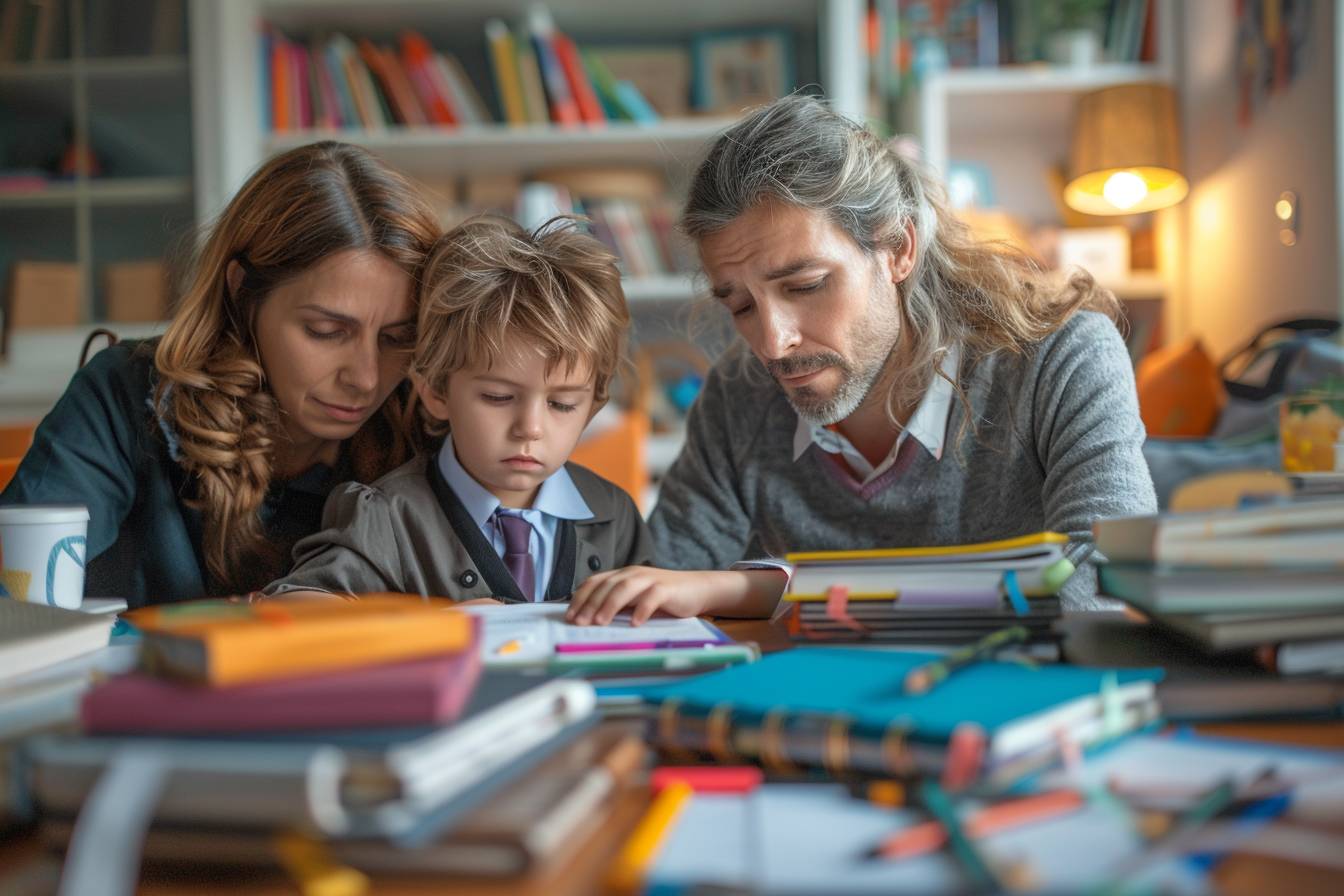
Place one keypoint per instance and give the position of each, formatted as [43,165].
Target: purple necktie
[517,551]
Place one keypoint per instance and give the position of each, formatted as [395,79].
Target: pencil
[627,870]
[965,850]
[931,835]
[921,678]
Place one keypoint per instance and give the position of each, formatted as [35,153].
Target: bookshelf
[1014,122]
[110,81]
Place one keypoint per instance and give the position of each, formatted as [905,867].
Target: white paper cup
[42,553]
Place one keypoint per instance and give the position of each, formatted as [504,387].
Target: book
[504,64]
[34,636]
[410,784]
[942,572]
[420,692]
[417,58]
[1295,533]
[580,87]
[560,99]
[845,709]
[225,643]
[1233,630]
[535,636]
[536,822]
[1193,589]
[1315,657]
[466,99]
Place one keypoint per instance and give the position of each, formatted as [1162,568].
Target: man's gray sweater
[1055,444]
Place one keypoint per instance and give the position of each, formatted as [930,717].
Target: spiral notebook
[846,708]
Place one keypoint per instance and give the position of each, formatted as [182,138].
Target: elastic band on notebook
[965,755]
[1015,595]
[1112,707]
[835,749]
[837,608]
[894,754]
[718,733]
[774,755]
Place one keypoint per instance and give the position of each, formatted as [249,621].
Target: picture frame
[735,69]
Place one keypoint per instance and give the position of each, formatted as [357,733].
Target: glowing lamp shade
[1126,153]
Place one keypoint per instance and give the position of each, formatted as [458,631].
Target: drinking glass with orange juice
[1310,424]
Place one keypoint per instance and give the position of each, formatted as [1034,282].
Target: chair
[15,439]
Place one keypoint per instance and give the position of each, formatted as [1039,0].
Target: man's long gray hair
[984,296]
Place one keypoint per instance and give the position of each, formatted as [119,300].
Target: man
[898,382]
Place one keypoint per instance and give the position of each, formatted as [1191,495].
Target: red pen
[628,645]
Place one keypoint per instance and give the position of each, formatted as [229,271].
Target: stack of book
[540,78]
[367,724]
[1268,577]
[939,595]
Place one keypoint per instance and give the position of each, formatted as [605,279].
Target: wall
[1233,274]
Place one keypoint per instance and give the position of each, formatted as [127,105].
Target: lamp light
[1126,153]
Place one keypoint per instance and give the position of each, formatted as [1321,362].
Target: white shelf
[443,151]
[582,17]
[1038,79]
[665,288]
[112,191]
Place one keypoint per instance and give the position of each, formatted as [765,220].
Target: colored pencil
[629,867]
[932,835]
[922,678]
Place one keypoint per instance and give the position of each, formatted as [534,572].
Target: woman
[204,455]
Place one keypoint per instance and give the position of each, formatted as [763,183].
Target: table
[22,860]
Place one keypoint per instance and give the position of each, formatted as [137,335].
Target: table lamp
[1126,153]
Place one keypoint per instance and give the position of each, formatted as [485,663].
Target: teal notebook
[846,709]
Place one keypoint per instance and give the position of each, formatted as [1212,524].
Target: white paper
[538,628]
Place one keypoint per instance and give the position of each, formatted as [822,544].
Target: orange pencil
[931,836]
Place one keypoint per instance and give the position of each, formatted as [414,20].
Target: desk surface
[26,868]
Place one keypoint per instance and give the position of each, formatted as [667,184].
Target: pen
[630,645]
[931,835]
[921,678]
[966,851]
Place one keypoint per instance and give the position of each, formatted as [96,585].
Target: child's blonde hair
[489,281]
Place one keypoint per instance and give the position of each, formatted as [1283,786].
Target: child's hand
[644,591]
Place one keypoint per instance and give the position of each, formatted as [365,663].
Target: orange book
[417,58]
[223,643]
[280,114]
[590,109]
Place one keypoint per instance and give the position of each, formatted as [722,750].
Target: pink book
[422,692]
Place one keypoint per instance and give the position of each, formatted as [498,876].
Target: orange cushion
[617,454]
[1180,390]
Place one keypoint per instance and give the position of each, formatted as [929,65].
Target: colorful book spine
[585,97]
[564,110]
[417,58]
[504,62]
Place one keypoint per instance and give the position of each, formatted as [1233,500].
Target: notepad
[800,694]
[528,635]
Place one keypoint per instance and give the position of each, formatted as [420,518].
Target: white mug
[42,551]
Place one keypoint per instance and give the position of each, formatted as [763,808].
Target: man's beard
[874,340]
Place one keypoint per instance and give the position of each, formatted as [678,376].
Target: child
[518,339]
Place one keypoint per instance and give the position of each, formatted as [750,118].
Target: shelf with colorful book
[498,147]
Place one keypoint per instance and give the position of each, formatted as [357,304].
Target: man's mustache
[798,365]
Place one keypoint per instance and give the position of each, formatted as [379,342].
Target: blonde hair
[489,281]
[985,296]
[295,211]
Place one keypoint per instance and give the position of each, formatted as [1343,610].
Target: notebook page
[534,631]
